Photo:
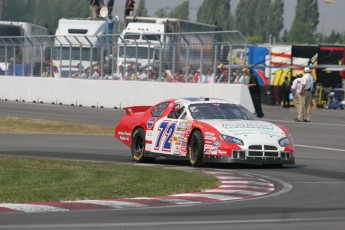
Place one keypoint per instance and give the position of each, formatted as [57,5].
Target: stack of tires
[268,95]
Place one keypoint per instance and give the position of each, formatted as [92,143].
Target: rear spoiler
[137,109]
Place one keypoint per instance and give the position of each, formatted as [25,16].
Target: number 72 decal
[166,132]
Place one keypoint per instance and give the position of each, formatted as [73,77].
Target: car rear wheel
[138,146]
[196,148]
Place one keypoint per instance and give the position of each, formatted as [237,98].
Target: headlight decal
[284,141]
[231,139]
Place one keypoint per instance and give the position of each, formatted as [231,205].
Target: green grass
[34,126]
[46,180]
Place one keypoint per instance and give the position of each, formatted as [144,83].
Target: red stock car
[204,130]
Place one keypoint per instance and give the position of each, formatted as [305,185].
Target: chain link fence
[174,57]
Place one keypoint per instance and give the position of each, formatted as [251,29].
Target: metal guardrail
[170,57]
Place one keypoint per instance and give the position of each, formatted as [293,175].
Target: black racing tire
[196,148]
[138,145]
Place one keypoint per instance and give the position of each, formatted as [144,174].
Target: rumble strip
[234,186]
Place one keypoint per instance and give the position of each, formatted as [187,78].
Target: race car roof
[204,99]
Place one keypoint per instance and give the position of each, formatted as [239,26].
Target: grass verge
[44,180]
[26,125]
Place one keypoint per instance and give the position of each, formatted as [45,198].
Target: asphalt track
[315,199]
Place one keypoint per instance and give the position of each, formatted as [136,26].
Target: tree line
[259,21]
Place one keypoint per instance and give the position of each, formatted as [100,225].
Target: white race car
[204,130]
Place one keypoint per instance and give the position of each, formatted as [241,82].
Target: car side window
[159,109]
[184,116]
[176,111]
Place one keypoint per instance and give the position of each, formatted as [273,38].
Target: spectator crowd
[150,73]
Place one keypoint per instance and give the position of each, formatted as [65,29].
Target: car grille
[260,147]
[238,154]
[263,151]
[260,151]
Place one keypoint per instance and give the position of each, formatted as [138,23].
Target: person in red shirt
[196,75]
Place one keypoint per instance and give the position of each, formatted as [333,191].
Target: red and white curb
[235,186]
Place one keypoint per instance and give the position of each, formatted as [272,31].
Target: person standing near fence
[307,89]
[130,7]
[239,77]
[110,5]
[286,93]
[94,7]
[296,88]
[255,92]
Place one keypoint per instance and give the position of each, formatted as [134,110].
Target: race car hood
[247,128]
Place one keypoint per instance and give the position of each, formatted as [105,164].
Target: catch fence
[207,57]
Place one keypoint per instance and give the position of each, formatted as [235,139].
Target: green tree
[335,38]
[40,13]
[14,10]
[216,13]
[285,36]
[161,13]
[142,8]
[1,5]
[260,19]
[181,11]
[275,20]
[302,33]
[307,11]
[206,12]
[245,17]
[305,22]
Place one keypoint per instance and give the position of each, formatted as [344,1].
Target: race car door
[169,133]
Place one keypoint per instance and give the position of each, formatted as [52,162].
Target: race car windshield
[220,111]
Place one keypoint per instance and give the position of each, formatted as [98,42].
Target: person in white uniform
[296,88]
[307,88]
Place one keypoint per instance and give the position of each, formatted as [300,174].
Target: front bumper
[254,153]
[250,160]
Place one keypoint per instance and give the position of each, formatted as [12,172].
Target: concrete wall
[111,94]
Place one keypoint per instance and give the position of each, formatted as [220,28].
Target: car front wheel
[196,148]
